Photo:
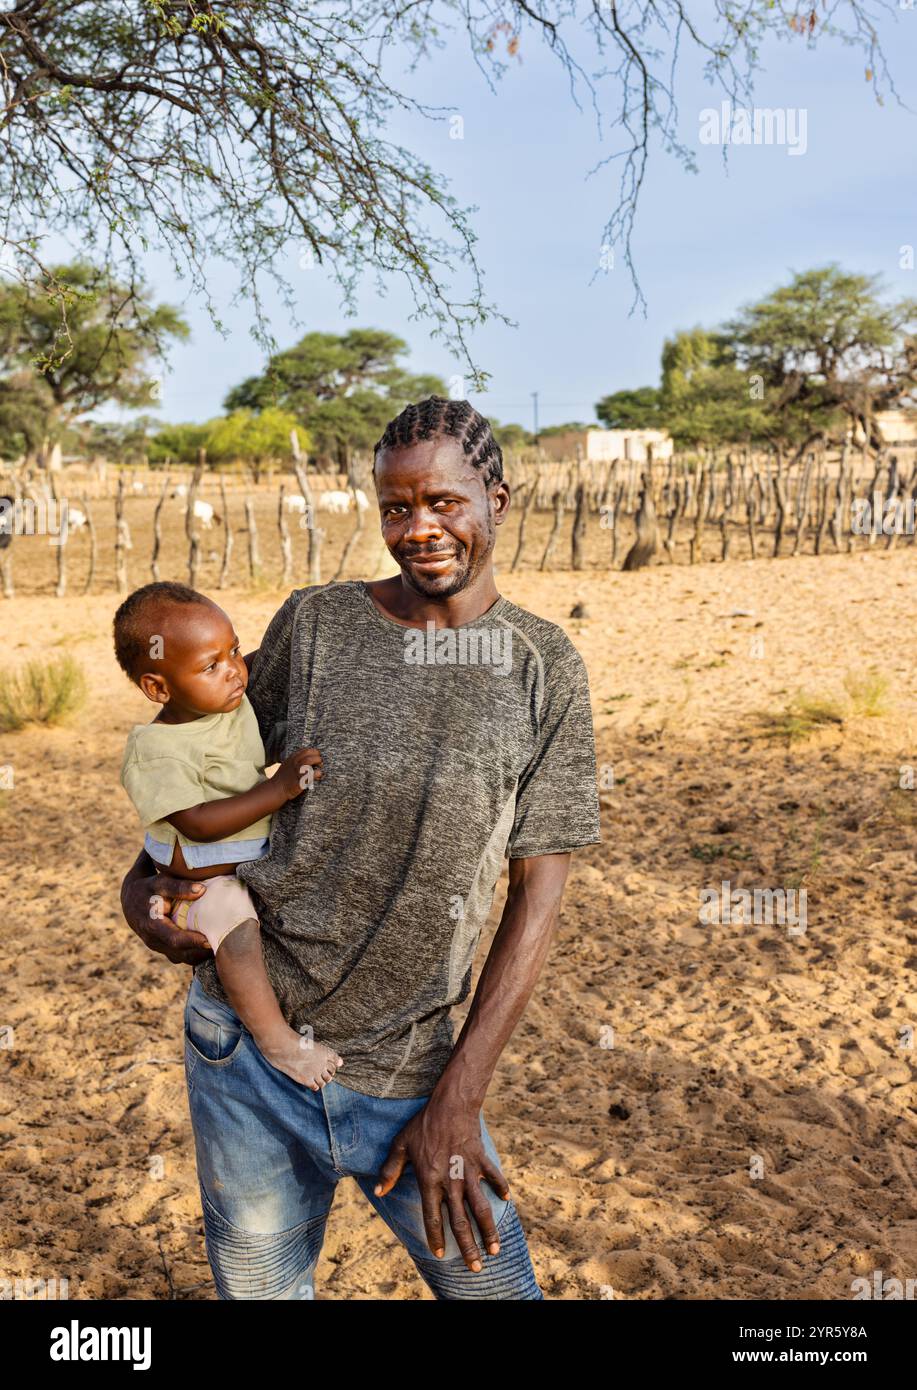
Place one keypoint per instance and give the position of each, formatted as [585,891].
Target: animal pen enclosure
[220,529]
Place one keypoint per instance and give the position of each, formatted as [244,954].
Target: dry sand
[733,1045]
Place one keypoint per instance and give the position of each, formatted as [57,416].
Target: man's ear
[154,688]
[501,496]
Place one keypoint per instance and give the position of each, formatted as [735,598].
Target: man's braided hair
[458,420]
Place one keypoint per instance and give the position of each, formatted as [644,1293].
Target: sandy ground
[686,1110]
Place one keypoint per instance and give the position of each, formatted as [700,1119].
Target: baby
[196,777]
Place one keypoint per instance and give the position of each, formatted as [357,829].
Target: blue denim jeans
[270,1154]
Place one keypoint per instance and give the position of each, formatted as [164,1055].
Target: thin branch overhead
[256,130]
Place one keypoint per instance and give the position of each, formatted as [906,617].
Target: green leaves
[89,336]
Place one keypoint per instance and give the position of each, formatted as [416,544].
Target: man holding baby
[454,730]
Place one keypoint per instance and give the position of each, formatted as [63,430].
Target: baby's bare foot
[301,1057]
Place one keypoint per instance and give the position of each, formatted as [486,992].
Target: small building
[896,426]
[602,446]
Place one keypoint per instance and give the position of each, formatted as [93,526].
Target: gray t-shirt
[443,752]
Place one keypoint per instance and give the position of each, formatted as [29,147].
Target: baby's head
[181,649]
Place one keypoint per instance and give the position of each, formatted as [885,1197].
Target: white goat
[204,513]
[334,501]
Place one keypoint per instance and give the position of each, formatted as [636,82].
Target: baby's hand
[297,772]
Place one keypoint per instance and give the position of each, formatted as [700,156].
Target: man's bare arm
[517,953]
[448,1126]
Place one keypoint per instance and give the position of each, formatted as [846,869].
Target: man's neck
[397,600]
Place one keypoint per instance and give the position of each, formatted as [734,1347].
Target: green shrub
[868,693]
[866,698]
[41,692]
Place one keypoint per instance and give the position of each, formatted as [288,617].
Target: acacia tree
[826,349]
[115,333]
[254,437]
[253,129]
[805,363]
[344,389]
[26,409]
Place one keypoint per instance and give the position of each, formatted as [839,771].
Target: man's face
[438,519]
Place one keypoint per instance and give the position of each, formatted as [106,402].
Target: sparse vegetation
[805,714]
[41,692]
[868,693]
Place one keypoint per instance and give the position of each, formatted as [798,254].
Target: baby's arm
[214,820]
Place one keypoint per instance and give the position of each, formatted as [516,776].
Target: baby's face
[202,663]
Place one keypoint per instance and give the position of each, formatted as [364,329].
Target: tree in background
[705,398]
[637,409]
[807,362]
[122,442]
[255,130]
[26,411]
[181,443]
[829,353]
[577,425]
[344,389]
[114,333]
[510,436]
[256,438]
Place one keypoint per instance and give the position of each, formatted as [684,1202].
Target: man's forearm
[513,964]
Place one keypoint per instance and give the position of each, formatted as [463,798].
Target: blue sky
[704,243]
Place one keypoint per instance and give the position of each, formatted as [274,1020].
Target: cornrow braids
[436,417]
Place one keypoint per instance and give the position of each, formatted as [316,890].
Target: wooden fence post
[286,548]
[579,527]
[316,535]
[122,539]
[558,522]
[227,536]
[531,490]
[157,530]
[647,540]
[191,526]
[93,547]
[254,560]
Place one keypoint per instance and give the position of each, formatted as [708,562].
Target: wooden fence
[577,515]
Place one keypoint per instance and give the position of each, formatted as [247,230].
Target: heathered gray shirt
[443,752]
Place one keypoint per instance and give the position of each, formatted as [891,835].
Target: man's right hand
[147,902]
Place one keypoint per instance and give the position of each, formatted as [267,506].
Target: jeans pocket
[215,1036]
